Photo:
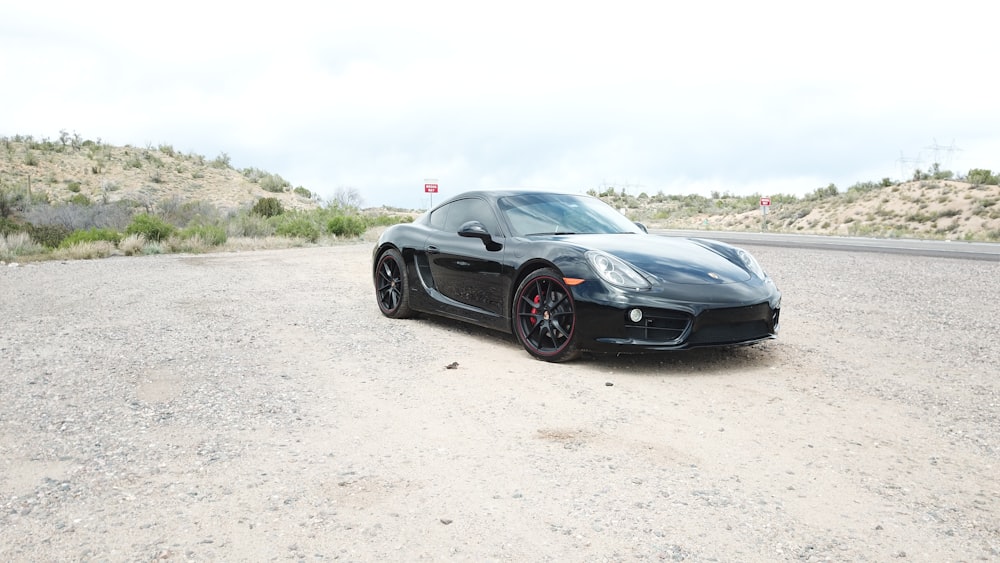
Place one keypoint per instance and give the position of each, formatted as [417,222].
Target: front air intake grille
[660,326]
[737,324]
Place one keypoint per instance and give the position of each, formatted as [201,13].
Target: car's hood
[667,259]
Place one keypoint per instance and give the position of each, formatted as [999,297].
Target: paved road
[938,248]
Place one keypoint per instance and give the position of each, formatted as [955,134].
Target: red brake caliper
[534,310]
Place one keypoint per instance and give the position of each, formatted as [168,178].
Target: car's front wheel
[545,317]
[392,289]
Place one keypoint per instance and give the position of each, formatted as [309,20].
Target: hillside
[942,209]
[71,169]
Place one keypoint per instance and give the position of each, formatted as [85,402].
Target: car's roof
[506,192]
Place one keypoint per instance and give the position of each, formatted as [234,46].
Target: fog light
[635,315]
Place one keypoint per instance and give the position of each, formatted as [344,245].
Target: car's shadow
[710,361]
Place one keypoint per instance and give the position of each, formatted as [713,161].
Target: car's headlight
[615,271]
[751,263]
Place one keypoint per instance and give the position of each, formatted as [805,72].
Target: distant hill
[71,169]
[941,209]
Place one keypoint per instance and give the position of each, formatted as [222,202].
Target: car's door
[467,269]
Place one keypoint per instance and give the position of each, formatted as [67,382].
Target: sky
[644,96]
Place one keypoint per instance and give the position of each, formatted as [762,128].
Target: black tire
[544,317]
[392,288]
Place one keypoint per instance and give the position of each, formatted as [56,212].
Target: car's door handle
[431,249]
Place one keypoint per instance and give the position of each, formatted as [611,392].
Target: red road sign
[765,202]
[431,188]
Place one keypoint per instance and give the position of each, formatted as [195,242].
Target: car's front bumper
[613,325]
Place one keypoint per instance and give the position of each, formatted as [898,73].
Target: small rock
[446,521]
[609,384]
[453,365]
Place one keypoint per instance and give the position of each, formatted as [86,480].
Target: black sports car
[567,273]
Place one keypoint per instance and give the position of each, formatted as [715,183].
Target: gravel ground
[256,406]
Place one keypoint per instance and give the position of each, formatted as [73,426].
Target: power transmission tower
[903,166]
[950,150]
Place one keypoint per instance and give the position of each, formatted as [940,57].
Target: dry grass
[17,244]
[85,251]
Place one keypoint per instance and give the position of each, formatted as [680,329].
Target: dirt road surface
[256,406]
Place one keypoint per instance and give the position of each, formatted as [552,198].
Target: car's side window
[465,210]
[439,216]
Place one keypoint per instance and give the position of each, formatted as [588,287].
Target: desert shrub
[91,235]
[346,226]
[73,187]
[132,244]
[210,235]
[385,220]
[983,176]
[77,217]
[863,187]
[296,226]
[185,213]
[17,244]
[250,225]
[821,193]
[267,207]
[303,192]
[81,199]
[153,247]
[8,226]
[274,183]
[222,161]
[50,236]
[193,244]
[11,201]
[133,162]
[150,226]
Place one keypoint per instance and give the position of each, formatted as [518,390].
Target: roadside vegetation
[79,199]
[935,204]
[72,198]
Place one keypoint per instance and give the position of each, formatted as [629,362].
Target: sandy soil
[256,406]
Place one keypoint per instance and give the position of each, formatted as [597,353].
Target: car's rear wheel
[392,289]
[545,317]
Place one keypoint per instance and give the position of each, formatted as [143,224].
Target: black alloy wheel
[545,317]
[391,286]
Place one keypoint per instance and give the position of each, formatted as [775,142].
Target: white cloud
[380,95]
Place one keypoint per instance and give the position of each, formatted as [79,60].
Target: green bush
[152,227]
[11,201]
[211,235]
[346,226]
[50,236]
[274,183]
[91,235]
[303,192]
[267,207]
[297,227]
[81,199]
[983,176]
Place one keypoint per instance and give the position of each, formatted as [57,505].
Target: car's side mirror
[475,229]
[643,227]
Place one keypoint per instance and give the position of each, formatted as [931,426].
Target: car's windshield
[541,214]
